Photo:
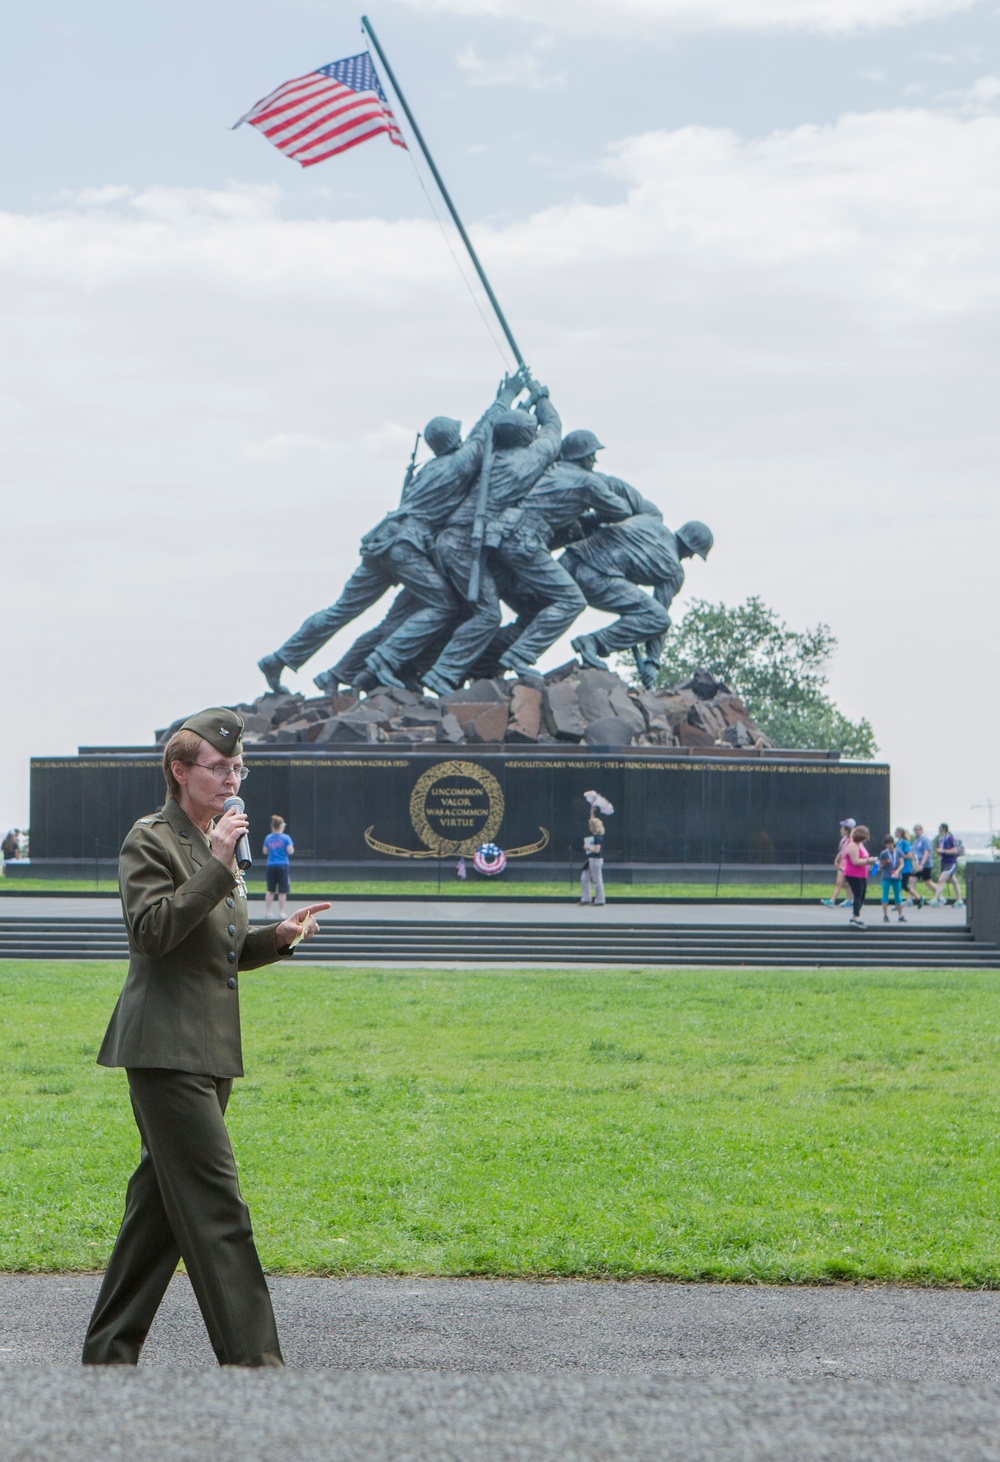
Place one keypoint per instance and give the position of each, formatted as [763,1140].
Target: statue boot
[326,682]
[271,667]
[365,680]
[436,684]
[513,662]
[588,649]
[383,675]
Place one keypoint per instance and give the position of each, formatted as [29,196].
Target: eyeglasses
[220,771]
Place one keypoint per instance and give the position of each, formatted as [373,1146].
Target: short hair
[860,833]
[277,822]
[888,839]
[945,827]
[183,746]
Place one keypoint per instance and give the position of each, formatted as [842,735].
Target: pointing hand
[298,926]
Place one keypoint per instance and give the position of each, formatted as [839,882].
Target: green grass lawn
[764,1125]
[474,888]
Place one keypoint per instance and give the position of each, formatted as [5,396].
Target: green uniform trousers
[184,1201]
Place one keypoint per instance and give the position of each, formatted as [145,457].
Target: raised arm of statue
[609,505]
[637,503]
[507,392]
[509,389]
[549,423]
[532,460]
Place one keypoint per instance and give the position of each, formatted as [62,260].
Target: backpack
[959,848]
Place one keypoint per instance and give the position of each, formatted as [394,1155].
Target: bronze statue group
[477,528]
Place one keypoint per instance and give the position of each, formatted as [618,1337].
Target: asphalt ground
[364,1417]
[497,1369]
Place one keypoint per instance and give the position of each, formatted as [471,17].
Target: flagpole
[367,27]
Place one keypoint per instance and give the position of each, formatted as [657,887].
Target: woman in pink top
[856,865]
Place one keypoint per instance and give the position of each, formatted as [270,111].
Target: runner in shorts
[922,853]
[890,867]
[278,846]
[948,851]
[846,828]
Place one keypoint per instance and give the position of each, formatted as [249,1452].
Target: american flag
[326,112]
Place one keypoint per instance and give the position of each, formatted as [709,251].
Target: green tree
[780,673]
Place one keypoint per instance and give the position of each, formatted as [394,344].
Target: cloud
[597,16]
[523,69]
[791,337]
[896,210]
[982,96]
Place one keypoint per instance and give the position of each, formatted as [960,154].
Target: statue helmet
[579,444]
[514,429]
[443,434]
[695,537]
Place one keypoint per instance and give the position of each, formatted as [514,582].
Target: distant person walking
[890,864]
[846,828]
[922,852]
[11,844]
[948,850]
[278,848]
[905,846]
[857,862]
[592,876]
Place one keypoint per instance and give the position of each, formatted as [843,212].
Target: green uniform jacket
[186,915]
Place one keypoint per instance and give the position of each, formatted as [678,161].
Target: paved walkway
[504,1370]
[739,1331]
[500,911]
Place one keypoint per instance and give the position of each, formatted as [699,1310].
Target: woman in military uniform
[176,1030]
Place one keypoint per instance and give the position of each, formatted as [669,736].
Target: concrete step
[416,941]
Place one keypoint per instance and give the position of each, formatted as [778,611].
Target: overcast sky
[752,243]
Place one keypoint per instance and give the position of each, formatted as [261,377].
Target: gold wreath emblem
[436,846]
[418,807]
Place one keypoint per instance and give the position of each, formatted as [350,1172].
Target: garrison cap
[220,727]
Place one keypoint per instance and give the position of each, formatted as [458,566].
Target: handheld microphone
[243,858]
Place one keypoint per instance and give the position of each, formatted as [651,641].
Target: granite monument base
[385,812]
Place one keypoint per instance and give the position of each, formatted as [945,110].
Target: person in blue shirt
[905,846]
[890,868]
[922,853]
[278,847]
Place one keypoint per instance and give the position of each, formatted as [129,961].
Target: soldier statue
[525,443]
[610,563]
[523,555]
[399,550]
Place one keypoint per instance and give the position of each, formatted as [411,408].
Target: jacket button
[232,982]
[229,902]
[232,928]
[231,956]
